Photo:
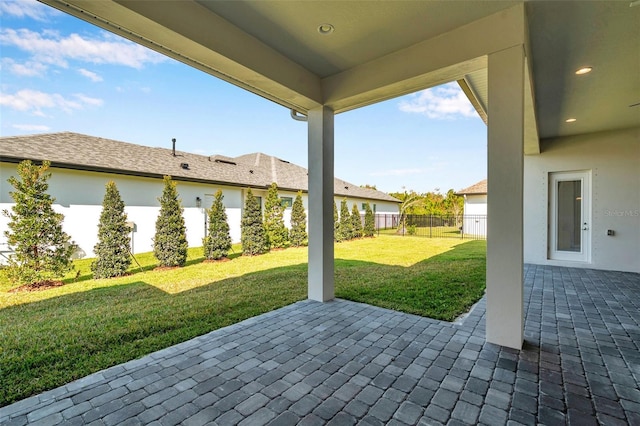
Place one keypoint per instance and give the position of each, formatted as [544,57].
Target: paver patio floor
[348,363]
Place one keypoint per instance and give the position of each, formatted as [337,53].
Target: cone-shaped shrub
[356,221]
[170,242]
[369,221]
[277,233]
[254,237]
[217,243]
[336,223]
[41,249]
[345,232]
[298,234]
[112,250]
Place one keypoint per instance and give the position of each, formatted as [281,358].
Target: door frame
[584,255]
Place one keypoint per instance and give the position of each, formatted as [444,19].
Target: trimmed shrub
[217,243]
[298,233]
[41,249]
[369,221]
[277,233]
[345,231]
[254,236]
[170,242]
[356,220]
[336,223]
[112,250]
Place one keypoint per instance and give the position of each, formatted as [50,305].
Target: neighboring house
[474,221]
[82,165]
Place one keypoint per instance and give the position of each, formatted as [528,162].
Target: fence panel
[433,226]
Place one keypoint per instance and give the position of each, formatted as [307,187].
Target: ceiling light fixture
[584,70]
[570,120]
[326,29]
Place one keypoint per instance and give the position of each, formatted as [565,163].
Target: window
[259,199]
[364,206]
[286,202]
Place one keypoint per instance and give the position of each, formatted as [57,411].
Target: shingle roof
[82,152]
[476,189]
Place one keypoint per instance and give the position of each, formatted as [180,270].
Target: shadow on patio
[345,363]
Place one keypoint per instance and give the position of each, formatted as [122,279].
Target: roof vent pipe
[173,151]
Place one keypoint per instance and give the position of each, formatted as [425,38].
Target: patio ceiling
[380,50]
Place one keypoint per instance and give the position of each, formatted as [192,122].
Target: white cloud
[90,75]
[31,127]
[51,48]
[27,69]
[25,9]
[88,100]
[34,101]
[443,102]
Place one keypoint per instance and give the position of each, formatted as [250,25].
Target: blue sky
[61,74]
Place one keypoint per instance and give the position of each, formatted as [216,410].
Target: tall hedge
[112,250]
[217,242]
[345,231]
[298,233]
[356,222]
[277,233]
[336,223]
[41,249]
[170,242]
[254,237]
[369,221]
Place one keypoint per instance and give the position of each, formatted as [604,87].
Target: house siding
[614,161]
[79,196]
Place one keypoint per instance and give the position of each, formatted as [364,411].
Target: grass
[52,337]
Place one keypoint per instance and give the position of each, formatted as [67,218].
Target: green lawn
[52,337]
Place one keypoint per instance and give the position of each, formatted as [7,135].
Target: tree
[298,233]
[254,237]
[277,233]
[336,223]
[42,250]
[112,250]
[170,242]
[217,242]
[345,232]
[369,221]
[356,221]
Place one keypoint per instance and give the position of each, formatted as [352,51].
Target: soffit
[364,30]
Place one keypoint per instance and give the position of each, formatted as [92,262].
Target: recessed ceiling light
[326,29]
[570,120]
[584,70]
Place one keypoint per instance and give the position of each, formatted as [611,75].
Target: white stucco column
[505,311]
[320,281]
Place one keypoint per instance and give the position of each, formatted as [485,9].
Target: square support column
[505,303]
[321,272]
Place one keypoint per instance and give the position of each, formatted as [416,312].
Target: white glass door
[569,212]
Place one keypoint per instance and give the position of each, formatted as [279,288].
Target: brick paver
[346,363]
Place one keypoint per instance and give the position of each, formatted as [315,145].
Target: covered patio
[347,363]
[548,344]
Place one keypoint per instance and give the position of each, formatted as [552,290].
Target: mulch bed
[224,259]
[42,285]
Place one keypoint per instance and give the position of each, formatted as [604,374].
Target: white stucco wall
[614,161]
[474,221]
[475,204]
[79,196]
